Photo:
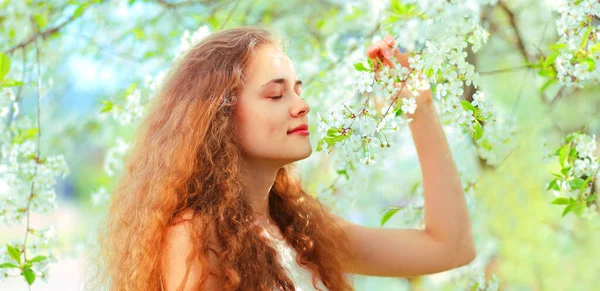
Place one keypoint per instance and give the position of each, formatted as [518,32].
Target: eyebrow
[282,81]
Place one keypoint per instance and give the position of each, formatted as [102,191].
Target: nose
[300,109]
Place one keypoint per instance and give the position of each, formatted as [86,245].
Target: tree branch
[513,22]
[43,35]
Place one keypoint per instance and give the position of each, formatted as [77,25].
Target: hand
[384,51]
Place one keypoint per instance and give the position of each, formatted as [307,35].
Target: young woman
[209,200]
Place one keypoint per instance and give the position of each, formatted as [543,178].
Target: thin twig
[229,15]
[505,70]
[520,94]
[38,153]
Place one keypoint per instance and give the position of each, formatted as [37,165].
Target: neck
[258,178]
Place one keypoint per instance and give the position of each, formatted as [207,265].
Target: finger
[372,51]
[385,49]
[389,40]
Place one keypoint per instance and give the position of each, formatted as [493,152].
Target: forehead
[269,62]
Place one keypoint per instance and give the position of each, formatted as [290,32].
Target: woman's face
[269,107]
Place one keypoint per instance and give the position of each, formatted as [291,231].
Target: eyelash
[278,97]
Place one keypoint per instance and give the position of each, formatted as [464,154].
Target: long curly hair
[185,156]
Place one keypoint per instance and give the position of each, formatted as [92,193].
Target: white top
[301,276]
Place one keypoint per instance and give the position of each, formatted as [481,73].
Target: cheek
[257,129]
[272,130]
[260,123]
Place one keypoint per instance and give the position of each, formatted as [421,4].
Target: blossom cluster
[132,109]
[27,183]
[576,186]
[188,40]
[478,282]
[577,52]
[358,127]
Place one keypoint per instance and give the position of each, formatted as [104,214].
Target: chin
[302,155]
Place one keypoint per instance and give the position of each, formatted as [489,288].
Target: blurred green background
[94,54]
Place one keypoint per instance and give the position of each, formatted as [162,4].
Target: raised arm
[446,241]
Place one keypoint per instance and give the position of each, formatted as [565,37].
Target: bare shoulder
[183,216]
[178,265]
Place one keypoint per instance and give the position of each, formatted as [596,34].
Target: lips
[301,127]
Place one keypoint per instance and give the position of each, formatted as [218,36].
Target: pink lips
[301,130]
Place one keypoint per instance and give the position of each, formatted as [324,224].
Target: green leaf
[564,150]
[577,183]
[108,106]
[399,111]
[573,154]
[585,37]
[551,58]
[130,89]
[557,46]
[371,63]
[567,209]
[595,48]
[23,135]
[14,253]
[320,145]
[29,276]
[37,259]
[578,209]
[547,71]
[4,65]
[402,11]
[478,130]
[468,106]
[332,131]
[591,198]
[11,83]
[565,171]
[215,23]
[414,187]
[79,11]
[360,67]
[553,185]
[138,33]
[561,201]
[7,265]
[389,212]
[344,173]
[41,20]
[590,62]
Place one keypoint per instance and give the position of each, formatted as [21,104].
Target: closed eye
[276,97]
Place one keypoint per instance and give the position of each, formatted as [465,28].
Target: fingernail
[401,49]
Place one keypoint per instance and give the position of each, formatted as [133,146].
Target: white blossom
[409,105]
